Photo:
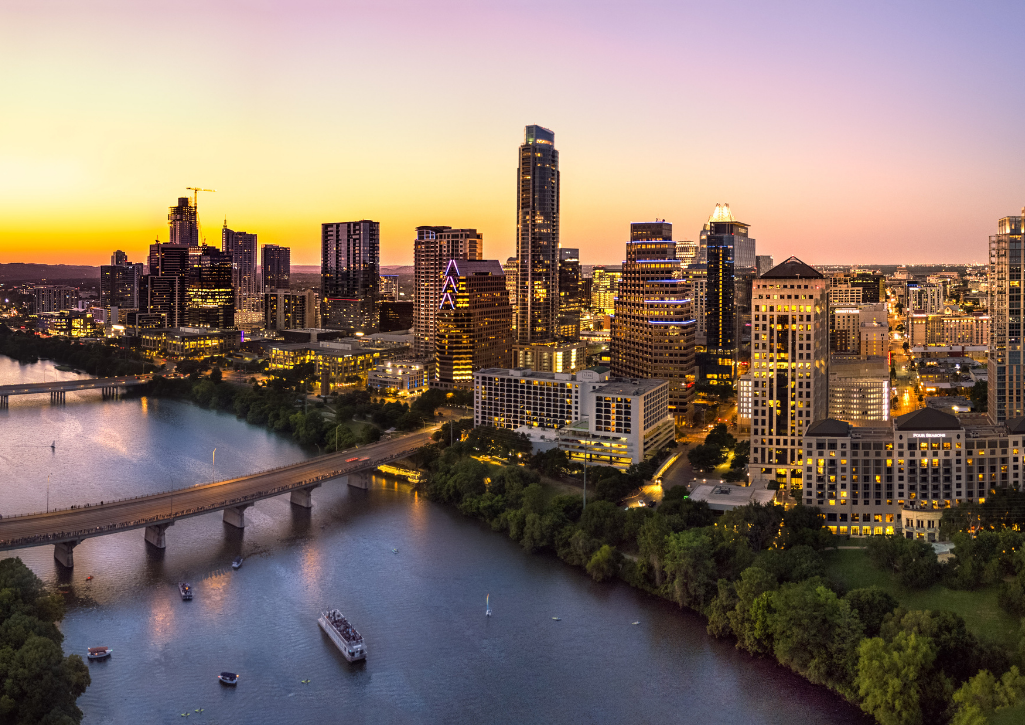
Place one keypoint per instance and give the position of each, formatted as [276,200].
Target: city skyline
[833,152]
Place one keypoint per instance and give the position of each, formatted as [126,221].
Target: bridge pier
[57,397]
[62,552]
[155,535]
[304,496]
[3,401]
[236,515]
[360,479]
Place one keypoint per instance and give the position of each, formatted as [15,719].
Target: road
[110,517]
[69,385]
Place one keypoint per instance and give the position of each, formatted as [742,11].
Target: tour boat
[99,653]
[237,563]
[487,603]
[185,590]
[228,678]
[344,635]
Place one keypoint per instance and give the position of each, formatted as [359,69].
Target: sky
[858,133]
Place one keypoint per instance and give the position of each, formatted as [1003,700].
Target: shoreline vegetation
[764,577]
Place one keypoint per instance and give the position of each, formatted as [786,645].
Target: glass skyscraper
[725,238]
[350,275]
[537,237]
[1005,309]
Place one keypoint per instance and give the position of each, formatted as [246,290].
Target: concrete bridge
[67,528]
[58,388]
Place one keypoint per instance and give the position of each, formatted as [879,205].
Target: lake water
[433,655]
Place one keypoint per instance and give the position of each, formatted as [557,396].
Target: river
[433,655]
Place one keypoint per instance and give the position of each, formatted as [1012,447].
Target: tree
[872,605]
[651,543]
[691,568]
[216,375]
[604,564]
[706,457]
[746,619]
[912,561]
[980,396]
[891,676]
[603,520]
[984,694]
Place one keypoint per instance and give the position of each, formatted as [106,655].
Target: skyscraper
[119,286]
[687,252]
[1005,308]
[474,322]
[350,275]
[242,248]
[433,248]
[210,299]
[537,237]
[276,267]
[789,367]
[653,328]
[183,223]
[725,236]
[163,290]
[570,305]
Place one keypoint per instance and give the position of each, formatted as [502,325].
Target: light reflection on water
[433,656]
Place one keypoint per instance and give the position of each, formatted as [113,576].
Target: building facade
[183,223]
[1006,382]
[54,298]
[474,322]
[275,267]
[859,391]
[653,328]
[210,297]
[432,250]
[350,275]
[537,237]
[241,247]
[570,306]
[726,236]
[286,310]
[789,368]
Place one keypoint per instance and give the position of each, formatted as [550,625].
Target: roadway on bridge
[57,386]
[100,519]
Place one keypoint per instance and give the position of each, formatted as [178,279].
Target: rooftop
[828,427]
[792,268]
[726,497]
[927,419]
[630,387]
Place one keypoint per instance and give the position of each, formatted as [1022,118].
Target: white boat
[344,635]
[487,603]
[99,653]
[237,563]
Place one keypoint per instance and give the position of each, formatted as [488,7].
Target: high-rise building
[726,237]
[210,298]
[789,368]
[512,270]
[763,263]
[118,257]
[474,322]
[696,276]
[433,248]
[604,286]
[389,288]
[397,316]
[119,287]
[54,298]
[570,305]
[242,248]
[276,267]
[859,391]
[687,252]
[285,310]
[873,287]
[1006,381]
[350,275]
[163,290]
[537,237]
[653,328]
[183,223]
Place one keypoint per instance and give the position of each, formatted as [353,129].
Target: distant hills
[28,272]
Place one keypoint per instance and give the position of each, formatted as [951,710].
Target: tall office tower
[474,322]
[54,298]
[725,236]
[789,368]
[763,263]
[285,310]
[569,295]
[1006,380]
[118,257]
[119,287]
[697,276]
[164,289]
[653,328]
[389,288]
[432,250]
[210,298]
[350,275]
[183,221]
[242,248]
[537,237]
[687,252]
[276,267]
[604,286]
[873,286]
[512,271]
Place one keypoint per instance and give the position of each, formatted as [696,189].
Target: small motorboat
[557,619]
[99,653]
[185,590]
[487,603]
[237,562]
[228,678]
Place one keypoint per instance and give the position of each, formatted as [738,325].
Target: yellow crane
[195,200]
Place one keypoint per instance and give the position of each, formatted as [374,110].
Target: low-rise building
[68,323]
[859,390]
[189,341]
[401,378]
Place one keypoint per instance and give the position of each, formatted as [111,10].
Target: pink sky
[842,132]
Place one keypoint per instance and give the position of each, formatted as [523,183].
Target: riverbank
[758,575]
[97,357]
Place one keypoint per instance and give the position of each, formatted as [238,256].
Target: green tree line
[96,357]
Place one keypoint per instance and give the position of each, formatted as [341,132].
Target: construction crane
[195,200]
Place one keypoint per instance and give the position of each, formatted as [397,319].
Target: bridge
[67,528]
[58,388]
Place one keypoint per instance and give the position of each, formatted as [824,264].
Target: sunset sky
[869,132]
